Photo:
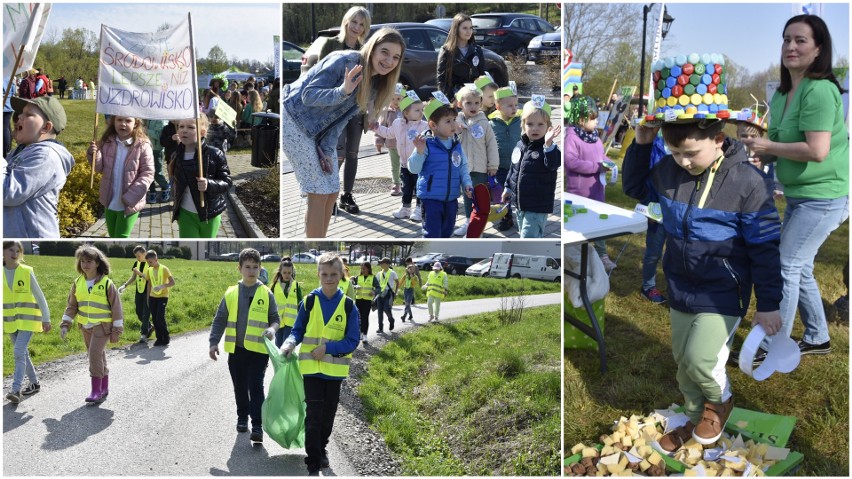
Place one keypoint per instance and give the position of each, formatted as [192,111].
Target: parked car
[453,264]
[371,258]
[291,62]
[226,257]
[479,269]
[425,261]
[508,33]
[545,47]
[304,258]
[272,258]
[510,265]
[420,62]
[442,23]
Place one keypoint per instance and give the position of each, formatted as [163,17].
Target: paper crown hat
[751,117]
[399,90]
[409,98]
[438,101]
[467,88]
[506,91]
[484,81]
[689,88]
[537,102]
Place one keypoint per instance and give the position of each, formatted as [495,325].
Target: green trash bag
[283,411]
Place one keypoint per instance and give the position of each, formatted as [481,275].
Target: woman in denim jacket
[320,103]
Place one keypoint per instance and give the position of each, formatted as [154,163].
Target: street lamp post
[667,24]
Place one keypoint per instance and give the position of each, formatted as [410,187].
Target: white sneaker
[415,214]
[461,230]
[402,213]
[608,264]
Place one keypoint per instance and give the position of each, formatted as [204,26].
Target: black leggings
[347,147]
[363,306]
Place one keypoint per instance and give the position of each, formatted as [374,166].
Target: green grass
[641,368]
[193,301]
[475,397]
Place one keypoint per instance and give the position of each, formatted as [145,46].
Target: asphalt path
[170,412]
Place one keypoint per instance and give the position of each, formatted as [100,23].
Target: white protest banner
[23,24]
[276,46]
[148,75]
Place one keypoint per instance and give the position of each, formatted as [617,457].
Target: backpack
[309,304]
[27,89]
[49,83]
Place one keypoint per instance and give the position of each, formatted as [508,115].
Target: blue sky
[241,30]
[748,33]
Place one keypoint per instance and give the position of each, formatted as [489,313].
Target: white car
[479,269]
[304,258]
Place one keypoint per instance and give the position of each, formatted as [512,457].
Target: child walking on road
[366,287]
[288,296]
[95,303]
[412,276]
[160,282]
[388,282]
[25,312]
[139,276]
[436,288]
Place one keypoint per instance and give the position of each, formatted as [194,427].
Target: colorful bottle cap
[671,101]
[661,84]
[688,69]
[701,89]
[657,76]
[705,58]
[723,114]
[694,58]
[604,216]
[688,89]
[668,62]
[680,60]
[713,108]
[699,69]
[717,69]
[661,102]
[691,110]
[677,91]
[717,99]
[683,100]
[706,79]
[711,88]
[710,68]
[676,71]
[703,109]
[665,73]
[671,81]
[695,99]
[723,100]
[695,79]
[667,92]
[683,80]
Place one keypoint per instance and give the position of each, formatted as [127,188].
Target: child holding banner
[195,220]
[125,158]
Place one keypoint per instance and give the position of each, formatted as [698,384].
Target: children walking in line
[36,170]
[96,305]
[366,287]
[412,275]
[388,280]
[246,314]
[442,167]
[139,276]
[288,296]
[506,123]
[327,345]
[404,130]
[478,143]
[160,281]
[125,158]
[25,312]
[386,119]
[194,220]
[436,287]
[532,179]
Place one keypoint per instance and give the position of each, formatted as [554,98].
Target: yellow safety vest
[258,319]
[346,286]
[288,305]
[157,278]
[140,280]
[20,310]
[435,284]
[93,306]
[317,332]
[366,289]
[384,278]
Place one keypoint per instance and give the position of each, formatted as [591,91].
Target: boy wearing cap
[442,168]
[506,123]
[722,235]
[36,170]
[531,183]
[436,288]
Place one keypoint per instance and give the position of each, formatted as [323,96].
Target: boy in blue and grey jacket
[442,168]
[723,234]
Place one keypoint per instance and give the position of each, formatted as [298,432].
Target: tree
[620,63]
[593,30]
[216,60]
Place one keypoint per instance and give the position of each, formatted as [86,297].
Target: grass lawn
[642,370]
[473,397]
[193,301]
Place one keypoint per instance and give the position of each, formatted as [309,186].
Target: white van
[510,265]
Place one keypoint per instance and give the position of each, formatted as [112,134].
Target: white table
[583,228]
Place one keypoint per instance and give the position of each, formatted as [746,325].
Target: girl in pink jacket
[126,160]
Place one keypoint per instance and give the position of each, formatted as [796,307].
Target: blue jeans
[440,217]
[807,224]
[408,296]
[384,307]
[655,239]
[23,363]
[531,225]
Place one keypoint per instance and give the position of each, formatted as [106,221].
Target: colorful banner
[148,75]
[276,47]
[23,24]
[620,111]
[658,40]
[572,75]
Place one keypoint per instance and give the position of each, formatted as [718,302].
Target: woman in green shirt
[808,137]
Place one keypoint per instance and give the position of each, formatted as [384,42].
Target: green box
[576,339]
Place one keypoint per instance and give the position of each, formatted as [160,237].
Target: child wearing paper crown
[531,182]
[486,85]
[506,123]
[440,162]
[478,142]
[386,119]
[404,130]
[584,156]
[723,235]
[749,126]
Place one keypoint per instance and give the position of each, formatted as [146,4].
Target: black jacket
[466,69]
[218,181]
[532,178]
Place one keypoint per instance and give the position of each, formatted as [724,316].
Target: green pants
[701,344]
[191,226]
[118,225]
[394,156]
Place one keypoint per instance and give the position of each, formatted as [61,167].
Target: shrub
[128,250]
[157,248]
[48,248]
[186,252]
[174,251]
[103,246]
[66,248]
[78,203]
[115,251]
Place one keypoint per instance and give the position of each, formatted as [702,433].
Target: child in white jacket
[405,130]
[478,141]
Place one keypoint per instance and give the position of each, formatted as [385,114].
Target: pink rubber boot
[104,387]
[95,395]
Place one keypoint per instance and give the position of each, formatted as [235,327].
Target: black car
[291,62]
[545,47]
[508,33]
[455,264]
[420,62]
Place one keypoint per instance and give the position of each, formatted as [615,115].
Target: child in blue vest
[442,168]
[244,305]
[327,328]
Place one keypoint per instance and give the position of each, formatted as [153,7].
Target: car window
[486,22]
[545,27]
[415,40]
[437,37]
[551,263]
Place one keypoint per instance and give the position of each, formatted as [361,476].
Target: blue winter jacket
[442,170]
[716,253]
[532,177]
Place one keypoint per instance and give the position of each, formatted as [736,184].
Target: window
[551,263]
[415,40]
[437,37]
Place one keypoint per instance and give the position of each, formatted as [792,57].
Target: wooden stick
[94,138]
[200,158]
[12,76]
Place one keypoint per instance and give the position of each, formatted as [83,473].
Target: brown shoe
[713,421]
[673,441]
